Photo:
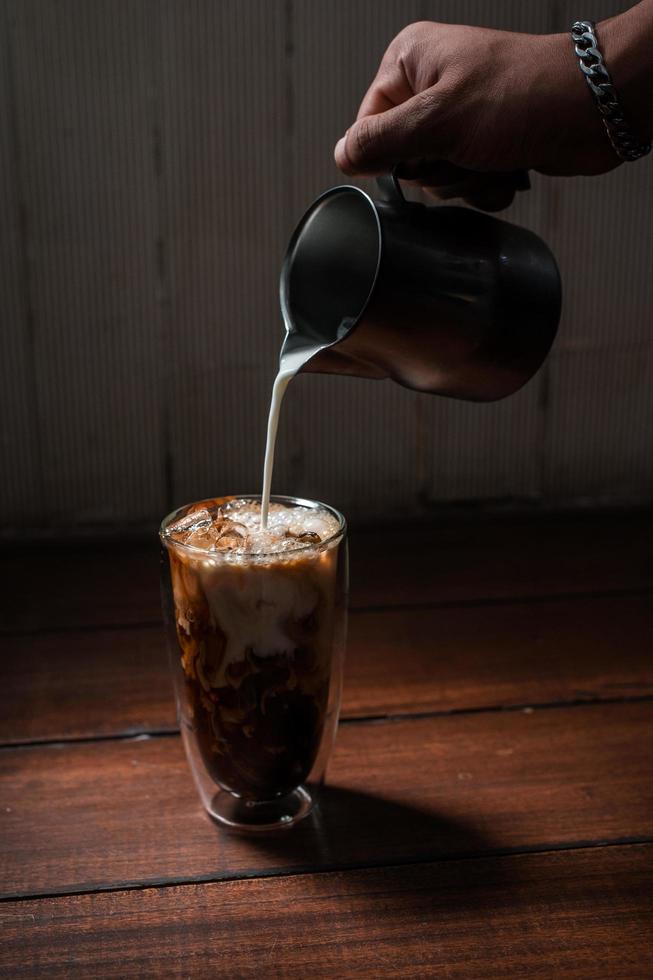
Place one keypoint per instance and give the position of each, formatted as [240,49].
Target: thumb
[375,144]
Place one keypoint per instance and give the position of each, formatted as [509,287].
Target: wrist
[572,137]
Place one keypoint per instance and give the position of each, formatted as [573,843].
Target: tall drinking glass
[256,645]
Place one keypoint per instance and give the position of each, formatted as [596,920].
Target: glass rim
[275,498]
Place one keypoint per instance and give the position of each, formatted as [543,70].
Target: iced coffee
[258,617]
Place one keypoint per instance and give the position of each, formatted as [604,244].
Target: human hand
[461,109]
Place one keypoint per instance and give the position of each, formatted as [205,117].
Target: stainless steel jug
[441,299]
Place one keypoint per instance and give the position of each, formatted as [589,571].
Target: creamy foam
[232,526]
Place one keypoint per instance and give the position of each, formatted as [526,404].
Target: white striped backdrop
[154,156]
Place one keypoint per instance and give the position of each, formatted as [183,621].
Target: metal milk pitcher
[441,299]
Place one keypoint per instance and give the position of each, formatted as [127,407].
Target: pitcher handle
[390,191]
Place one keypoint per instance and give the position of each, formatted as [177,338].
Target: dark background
[154,157]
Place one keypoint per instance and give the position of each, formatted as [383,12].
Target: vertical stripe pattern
[154,158]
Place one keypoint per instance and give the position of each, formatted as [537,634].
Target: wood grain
[585,914]
[469,560]
[448,560]
[85,816]
[406,661]
[91,584]
[85,683]
[88,683]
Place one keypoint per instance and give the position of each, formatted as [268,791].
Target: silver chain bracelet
[624,142]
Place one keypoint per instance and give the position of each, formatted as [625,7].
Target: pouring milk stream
[289,364]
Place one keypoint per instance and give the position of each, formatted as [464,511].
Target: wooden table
[490,810]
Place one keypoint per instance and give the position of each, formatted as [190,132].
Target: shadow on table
[349,829]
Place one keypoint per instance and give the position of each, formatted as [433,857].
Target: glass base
[254,818]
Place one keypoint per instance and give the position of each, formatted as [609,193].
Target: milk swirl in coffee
[255,618]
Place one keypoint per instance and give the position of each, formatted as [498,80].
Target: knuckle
[414,32]
[405,42]
[417,54]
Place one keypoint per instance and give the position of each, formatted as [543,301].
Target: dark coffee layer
[259,737]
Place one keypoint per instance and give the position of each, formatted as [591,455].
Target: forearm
[627,45]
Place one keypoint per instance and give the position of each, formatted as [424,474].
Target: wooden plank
[85,684]
[447,560]
[406,661]
[76,684]
[583,914]
[451,560]
[91,584]
[101,815]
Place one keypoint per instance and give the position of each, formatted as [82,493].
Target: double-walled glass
[256,647]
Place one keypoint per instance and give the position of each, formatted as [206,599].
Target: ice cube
[204,535]
[231,536]
[307,537]
[192,521]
